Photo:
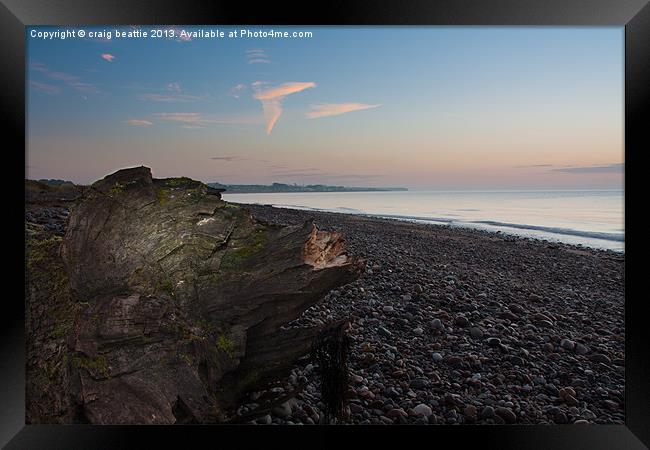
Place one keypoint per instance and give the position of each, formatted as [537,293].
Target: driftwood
[184,297]
[330,350]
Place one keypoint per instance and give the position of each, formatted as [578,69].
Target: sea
[590,218]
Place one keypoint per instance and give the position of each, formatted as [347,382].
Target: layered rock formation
[179,299]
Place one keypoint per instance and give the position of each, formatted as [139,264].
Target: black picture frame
[634,15]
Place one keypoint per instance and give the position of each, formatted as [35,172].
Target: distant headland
[282,187]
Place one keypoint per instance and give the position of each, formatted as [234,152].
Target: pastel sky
[420,107]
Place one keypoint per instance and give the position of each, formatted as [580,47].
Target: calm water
[590,218]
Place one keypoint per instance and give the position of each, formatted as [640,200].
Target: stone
[461,321]
[355,408]
[567,344]
[567,391]
[476,332]
[384,332]
[571,400]
[548,347]
[508,316]
[487,413]
[506,414]
[494,342]
[581,349]
[517,309]
[366,393]
[551,389]
[437,357]
[470,413]
[540,380]
[517,360]
[422,410]
[436,325]
[561,418]
[419,383]
[600,358]
[282,411]
[454,360]
[396,413]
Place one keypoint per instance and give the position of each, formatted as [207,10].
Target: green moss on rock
[178,181]
[96,365]
[225,344]
[163,195]
[116,189]
[247,248]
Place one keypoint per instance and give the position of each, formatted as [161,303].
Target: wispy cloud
[319,176]
[170,93]
[271,98]
[237,90]
[335,109]
[44,87]
[66,79]
[609,168]
[187,119]
[169,97]
[139,122]
[61,76]
[285,171]
[257,56]
[533,166]
[108,57]
[174,87]
[194,120]
[228,158]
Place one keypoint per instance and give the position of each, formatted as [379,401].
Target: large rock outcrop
[183,298]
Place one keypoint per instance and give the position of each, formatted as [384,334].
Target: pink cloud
[72,81]
[84,87]
[181,117]
[108,57]
[335,109]
[62,76]
[198,120]
[139,122]
[44,87]
[272,98]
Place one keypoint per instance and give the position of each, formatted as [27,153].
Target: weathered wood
[184,296]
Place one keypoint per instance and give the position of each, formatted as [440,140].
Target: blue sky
[422,107]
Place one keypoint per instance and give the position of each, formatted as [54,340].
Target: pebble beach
[461,326]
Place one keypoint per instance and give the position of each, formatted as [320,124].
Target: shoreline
[455,325]
[453,224]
